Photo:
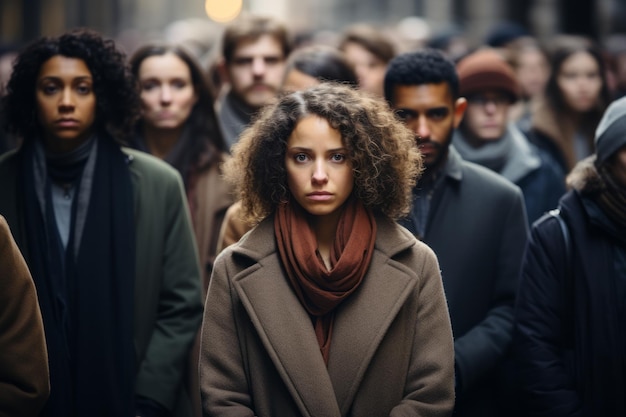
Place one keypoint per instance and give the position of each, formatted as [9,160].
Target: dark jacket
[168,305]
[570,342]
[542,187]
[478,229]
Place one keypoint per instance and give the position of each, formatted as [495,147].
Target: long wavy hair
[382,151]
[202,121]
[117,102]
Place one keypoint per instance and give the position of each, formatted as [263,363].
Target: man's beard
[440,152]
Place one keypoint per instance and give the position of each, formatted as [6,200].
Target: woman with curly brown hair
[105,232]
[327,307]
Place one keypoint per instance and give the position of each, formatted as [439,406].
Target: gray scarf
[512,156]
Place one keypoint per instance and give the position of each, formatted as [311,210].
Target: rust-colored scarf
[321,290]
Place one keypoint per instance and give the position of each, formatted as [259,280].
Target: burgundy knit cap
[486,69]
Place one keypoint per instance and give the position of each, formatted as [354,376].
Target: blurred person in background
[24,373]
[532,69]
[305,68]
[615,48]
[105,231]
[178,124]
[503,33]
[576,95]
[452,41]
[310,65]
[571,307]
[474,220]
[369,50]
[254,50]
[486,137]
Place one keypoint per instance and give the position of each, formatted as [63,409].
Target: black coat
[477,227]
[569,338]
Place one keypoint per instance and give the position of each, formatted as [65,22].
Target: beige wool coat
[391,352]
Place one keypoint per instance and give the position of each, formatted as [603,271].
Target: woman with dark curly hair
[305,68]
[327,307]
[105,231]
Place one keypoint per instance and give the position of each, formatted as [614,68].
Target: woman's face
[167,91]
[319,173]
[66,103]
[580,81]
[619,165]
[369,68]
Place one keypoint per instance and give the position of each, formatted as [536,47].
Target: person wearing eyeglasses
[486,137]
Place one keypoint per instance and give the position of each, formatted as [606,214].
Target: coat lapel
[285,330]
[362,323]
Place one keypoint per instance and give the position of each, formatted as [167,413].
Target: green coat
[168,304]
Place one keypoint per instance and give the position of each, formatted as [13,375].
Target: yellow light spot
[223,10]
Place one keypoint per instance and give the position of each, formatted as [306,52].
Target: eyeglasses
[482,101]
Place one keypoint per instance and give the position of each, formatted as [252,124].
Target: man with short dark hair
[486,137]
[472,218]
[254,51]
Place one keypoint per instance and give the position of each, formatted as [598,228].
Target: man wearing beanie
[486,137]
[571,307]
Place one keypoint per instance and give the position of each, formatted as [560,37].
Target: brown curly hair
[382,151]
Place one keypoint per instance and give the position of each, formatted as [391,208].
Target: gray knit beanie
[611,132]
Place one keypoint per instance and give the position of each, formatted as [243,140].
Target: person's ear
[459,110]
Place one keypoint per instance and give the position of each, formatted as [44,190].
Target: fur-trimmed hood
[585,177]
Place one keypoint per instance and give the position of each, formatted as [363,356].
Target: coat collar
[360,325]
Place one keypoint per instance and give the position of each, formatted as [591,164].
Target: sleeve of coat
[179,310]
[24,378]
[430,380]
[483,347]
[548,389]
[223,383]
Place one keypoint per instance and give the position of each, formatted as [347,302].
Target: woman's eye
[83,89]
[179,84]
[338,157]
[300,157]
[49,89]
[148,86]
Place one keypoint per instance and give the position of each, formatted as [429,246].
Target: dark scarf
[86,292]
[321,290]
[234,117]
[612,198]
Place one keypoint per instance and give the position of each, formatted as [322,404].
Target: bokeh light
[223,10]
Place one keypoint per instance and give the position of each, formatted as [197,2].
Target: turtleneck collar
[67,166]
